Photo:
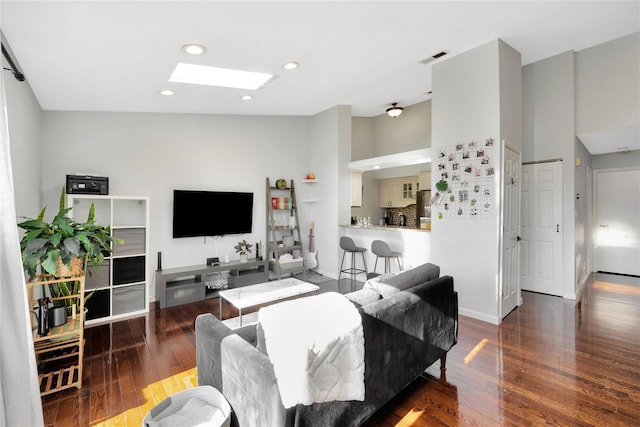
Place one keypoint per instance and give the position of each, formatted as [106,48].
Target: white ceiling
[612,140]
[117,55]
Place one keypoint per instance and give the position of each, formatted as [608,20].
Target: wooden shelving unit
[280,229]
[59,354]
[120,286]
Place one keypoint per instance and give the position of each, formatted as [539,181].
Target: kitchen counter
[414,244]
[385,227]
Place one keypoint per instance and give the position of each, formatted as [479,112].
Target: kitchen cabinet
[424,181]
[398,192]
[388,188]
[356,189]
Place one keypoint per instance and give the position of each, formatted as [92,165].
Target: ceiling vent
[433,57]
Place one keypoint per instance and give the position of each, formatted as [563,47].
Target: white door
[617,231]
[509,283]
[541,228]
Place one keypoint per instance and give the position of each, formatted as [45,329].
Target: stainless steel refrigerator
[423,206]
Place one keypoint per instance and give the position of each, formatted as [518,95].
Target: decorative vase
[244,257]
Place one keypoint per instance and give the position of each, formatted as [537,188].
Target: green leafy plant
[47,245]
[442,185]
[243,247]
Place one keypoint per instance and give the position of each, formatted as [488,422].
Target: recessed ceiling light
[213,76]
[194,49]
[246,97]
[166,92]
[376,167]
[291,65]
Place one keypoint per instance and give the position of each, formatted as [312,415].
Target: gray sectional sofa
[409,321]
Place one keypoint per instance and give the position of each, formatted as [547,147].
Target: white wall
[362,138]
[362,147]
[466,106]
[409,131]
[153,154]
[607,85]
[382,135]
[510,97]
[583,232]
[25,123]
[549,133]
[616,160]
[328,153]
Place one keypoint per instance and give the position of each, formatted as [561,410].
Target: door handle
[557,228]
[518,238]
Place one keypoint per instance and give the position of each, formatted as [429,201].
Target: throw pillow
[380,278]
[385,289]
[363,297]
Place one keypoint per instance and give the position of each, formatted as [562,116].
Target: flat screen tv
[211,213]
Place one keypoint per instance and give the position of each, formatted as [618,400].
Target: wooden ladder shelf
[283,232]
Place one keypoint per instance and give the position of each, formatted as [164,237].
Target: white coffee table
[263,293]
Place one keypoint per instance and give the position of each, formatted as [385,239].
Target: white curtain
[20,403]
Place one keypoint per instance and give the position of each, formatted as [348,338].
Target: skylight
[214,76]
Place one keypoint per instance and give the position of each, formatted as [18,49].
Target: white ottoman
[202,406]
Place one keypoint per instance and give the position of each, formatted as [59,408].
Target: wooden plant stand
[59,354]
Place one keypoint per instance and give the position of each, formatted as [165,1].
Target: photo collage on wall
[469,169]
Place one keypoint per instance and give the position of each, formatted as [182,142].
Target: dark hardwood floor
[551,362]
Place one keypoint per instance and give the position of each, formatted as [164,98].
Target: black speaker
[159,261]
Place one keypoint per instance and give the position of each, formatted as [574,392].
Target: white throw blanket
[316,346]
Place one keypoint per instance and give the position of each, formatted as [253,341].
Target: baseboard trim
[618,274]
[479,316]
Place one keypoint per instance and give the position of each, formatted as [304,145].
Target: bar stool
[381,250]
[348,245]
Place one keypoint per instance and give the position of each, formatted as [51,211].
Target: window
[407,191]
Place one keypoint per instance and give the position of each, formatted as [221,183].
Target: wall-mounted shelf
[308,200]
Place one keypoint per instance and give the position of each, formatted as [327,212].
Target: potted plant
[243,248]
[64,247]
